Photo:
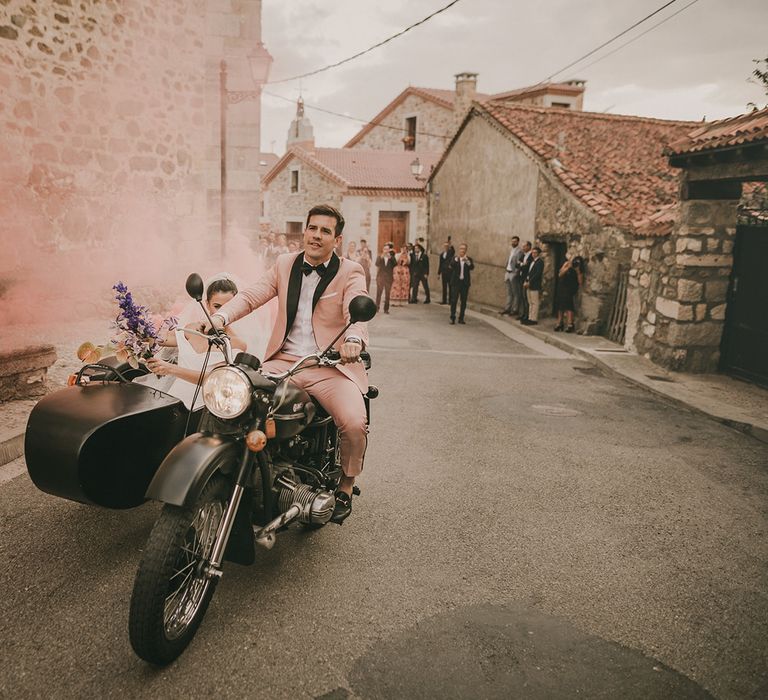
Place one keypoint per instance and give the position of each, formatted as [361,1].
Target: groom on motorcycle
[314,288]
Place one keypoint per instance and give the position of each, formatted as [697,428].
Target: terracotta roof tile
[377,169]
[538,89]
[613,163]
[725,133]
[364,170]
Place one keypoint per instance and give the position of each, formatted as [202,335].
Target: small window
[294,228]
[562,105]
[410,134]
[294,181]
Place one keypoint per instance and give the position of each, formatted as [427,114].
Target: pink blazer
[342,282]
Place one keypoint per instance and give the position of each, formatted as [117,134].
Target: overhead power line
[365,122]
[368,50]
[605,43]
[635,38]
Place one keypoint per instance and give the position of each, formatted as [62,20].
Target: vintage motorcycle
[264,456]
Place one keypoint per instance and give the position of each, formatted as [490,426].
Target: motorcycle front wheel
[172,590]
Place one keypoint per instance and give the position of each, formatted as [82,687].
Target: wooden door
[393,227]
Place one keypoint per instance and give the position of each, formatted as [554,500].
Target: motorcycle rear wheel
[171,592]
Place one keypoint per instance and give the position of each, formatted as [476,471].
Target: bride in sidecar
[101,440]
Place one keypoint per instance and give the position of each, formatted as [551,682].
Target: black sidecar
[101,443]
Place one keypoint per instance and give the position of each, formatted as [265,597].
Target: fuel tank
[295,410]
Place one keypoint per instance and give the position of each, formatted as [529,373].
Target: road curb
[11,447]
[755,431]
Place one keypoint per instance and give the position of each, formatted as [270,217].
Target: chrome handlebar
[329,359]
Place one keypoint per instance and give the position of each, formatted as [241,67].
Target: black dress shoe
[461,320]
[453,321]
[343,507]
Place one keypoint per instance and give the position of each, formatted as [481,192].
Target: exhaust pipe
[265,536]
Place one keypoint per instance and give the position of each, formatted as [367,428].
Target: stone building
[575,182]
[426,119]
[379,196]
[110,134]
[698,289]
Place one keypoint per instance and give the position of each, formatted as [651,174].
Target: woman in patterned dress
[401,284]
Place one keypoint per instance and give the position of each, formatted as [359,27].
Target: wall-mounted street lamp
[416,170]
[260,62]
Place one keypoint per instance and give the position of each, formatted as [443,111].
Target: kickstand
[356,490]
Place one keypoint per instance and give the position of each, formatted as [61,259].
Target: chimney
[466,86]
[466,91]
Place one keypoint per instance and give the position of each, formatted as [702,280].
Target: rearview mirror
[195,286]
[362,308]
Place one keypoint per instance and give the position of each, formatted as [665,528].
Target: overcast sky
[695,65]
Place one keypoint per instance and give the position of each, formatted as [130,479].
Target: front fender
[187,468]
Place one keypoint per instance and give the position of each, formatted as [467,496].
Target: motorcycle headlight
[227,392]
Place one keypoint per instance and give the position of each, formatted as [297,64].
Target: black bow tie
[308,269]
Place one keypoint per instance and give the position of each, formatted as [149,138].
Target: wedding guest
[385,269]
[532,285]
[523,265]
[461,280]
[512,282]
[443,268]
[365,259]
[419,273]
[282,245]
[401,279]
[570,279]
[351,251]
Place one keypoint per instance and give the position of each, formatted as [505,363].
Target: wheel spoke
[182,604]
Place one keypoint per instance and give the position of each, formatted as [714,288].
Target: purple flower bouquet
[137,335]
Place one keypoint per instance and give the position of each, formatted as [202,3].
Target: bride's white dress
[254,330]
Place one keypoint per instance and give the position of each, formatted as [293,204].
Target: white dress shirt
[301,338]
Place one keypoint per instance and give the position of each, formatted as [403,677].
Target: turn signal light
[71,379]
[270,427]
[256,441]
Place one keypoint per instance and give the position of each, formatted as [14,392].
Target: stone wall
[281,205]
[679,287]
[484,193]
[362,216]
[109,138]
[490,189]
[434,127]
[361,211]
[560,218]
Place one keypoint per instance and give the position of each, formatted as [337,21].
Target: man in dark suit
[443,268]
[523,266]
[385,271]
[532,286]
[461,278]
[419,273]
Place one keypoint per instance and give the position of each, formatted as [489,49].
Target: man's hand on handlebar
[350,352]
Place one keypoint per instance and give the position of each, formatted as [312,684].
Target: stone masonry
[679,285]
[435,126]
[109,121]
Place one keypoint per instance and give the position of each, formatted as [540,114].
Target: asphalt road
[528,528]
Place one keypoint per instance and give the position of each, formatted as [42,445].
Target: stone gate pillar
[693,294]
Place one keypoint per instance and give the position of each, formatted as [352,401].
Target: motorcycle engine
[316,504]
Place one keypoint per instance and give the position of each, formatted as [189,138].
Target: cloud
[697,63]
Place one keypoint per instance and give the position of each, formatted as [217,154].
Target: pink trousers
[341,398]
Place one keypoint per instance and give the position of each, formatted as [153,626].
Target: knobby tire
[167,550]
